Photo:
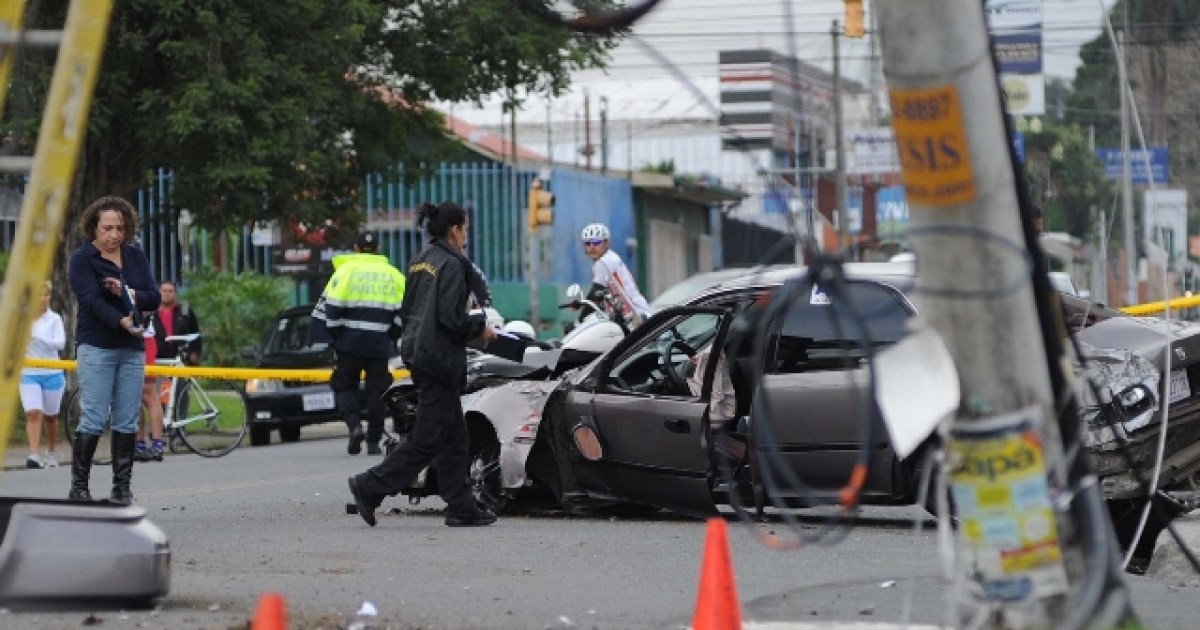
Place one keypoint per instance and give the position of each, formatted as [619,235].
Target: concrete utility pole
[839,141]
[1020,555]
[1127,223]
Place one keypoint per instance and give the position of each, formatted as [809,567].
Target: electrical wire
[1166,402]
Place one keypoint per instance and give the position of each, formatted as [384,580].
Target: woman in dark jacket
[112,282]
[433,345]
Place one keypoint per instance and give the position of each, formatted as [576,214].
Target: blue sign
[891,214]
[1018,140]
[1157,156]
[1019,52]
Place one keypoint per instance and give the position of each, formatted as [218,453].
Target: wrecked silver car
[654,440]
[1126,357]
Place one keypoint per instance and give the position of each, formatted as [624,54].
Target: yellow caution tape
[1150,308]
[236,374]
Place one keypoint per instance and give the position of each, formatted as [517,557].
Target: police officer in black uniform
[437,327]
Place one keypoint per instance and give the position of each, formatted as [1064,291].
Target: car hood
[1148,337]
[299,360]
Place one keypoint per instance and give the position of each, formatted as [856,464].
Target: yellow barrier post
[64,125]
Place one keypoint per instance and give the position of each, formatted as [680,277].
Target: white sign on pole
[872,151]
[1164,214]
[1009,15]
[1024,94]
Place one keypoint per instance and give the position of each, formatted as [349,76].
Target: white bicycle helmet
[595,231]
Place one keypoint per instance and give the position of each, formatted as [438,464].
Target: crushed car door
[650,424]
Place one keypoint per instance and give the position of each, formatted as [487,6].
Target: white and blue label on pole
[1156,156]
[1018,140]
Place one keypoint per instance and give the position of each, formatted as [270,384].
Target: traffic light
[854,19]
[541,204]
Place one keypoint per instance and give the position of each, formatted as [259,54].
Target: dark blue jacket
[98,322]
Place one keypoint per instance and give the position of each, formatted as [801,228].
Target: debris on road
[869,610]
[888,584]
[368,610]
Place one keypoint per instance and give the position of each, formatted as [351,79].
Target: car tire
[260,436]
[289,434]
[485,477]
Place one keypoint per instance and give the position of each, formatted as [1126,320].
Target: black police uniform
[437,328]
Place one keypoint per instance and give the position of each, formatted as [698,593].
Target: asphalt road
[274,519]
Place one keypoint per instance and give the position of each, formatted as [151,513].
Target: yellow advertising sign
[1002,497]
[932,142]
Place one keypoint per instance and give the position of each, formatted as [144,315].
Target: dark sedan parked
[289,405]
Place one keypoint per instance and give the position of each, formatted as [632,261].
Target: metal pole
[958,175]
[587,130]
[1127,222]
[549,134]
[839,141]
[1100,292]
[604,135]
[531,242]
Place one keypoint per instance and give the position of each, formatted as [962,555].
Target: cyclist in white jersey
[609,271]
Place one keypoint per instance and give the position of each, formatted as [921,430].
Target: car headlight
[263,386]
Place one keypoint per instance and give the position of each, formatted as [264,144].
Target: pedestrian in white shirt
[42,388]
[609,271]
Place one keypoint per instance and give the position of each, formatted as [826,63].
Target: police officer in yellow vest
[360,310]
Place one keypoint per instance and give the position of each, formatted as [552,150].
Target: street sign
[1159,166]
[1018,141]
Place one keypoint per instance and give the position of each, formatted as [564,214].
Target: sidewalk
[15,454]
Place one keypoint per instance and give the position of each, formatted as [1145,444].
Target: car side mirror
[250,352]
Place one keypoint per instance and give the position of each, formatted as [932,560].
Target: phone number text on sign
[932,143]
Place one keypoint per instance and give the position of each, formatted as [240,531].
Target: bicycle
[191,418]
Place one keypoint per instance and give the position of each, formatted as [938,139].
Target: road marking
[234,486]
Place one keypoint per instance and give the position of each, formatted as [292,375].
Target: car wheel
[289,434]
[485,475]
[260,436]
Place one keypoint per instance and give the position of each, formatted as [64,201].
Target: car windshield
[289,334]
[678,293]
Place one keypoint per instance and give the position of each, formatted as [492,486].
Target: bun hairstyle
[437,220]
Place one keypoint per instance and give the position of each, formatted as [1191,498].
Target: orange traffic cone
[270,615]
[718,607]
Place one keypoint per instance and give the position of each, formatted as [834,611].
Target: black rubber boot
[82,453]
[123,447]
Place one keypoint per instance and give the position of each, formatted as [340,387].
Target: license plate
[1180,387]
[318,402]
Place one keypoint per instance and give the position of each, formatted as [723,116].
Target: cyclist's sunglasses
[594,242]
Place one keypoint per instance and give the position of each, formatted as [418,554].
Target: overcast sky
[691,32]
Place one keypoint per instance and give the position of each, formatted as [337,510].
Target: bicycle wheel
[71,414]
[211,422]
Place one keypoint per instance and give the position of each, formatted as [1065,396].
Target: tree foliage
[267,110]
[279,110]
[233,310]
[1065,177]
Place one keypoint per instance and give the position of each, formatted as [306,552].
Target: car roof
[899,273]
[296,310]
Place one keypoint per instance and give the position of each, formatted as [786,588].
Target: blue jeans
[110,380]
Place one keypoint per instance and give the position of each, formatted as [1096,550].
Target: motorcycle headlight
[263,386]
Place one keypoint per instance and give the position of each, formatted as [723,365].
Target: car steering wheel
[676,380]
